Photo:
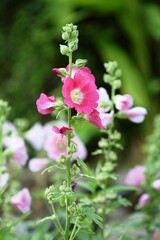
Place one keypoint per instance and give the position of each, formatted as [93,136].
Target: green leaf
[93,217]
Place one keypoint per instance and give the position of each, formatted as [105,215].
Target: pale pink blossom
[155,235]
[36,136]
[55,147]
[156,184]
[94,118]
[135,176]
[18,149]
[37,164]
[45,104]
[104,101]
[80,92]
[143,199]
[3,179]
[22,200]
[136,114]
[106,118]
[123,102]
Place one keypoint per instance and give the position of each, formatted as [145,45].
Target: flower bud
[117,84]
[80,63]
[64,50]
[107,78]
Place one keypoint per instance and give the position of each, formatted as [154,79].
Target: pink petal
[135,176]
[45,104]
[37,164]
[22,200]
[94,118]
[136,114]
[123,102]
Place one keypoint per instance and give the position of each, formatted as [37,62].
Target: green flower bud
[65,36]
[107,78]
[103,143]
[64,50]
[117,84]
[80,63]
[4,110]
[118,73]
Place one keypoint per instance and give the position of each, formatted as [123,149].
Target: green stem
[1,147]
[74,230]
[58,225]
[68,167]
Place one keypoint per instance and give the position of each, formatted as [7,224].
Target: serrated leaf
[93,217]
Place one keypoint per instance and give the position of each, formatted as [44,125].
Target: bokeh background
[126,31]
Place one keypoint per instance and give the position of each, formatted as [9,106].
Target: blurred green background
[127,31]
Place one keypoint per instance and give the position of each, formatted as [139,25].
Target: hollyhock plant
[143,199]
[22,200]
[123,102]
[80,92]
[37,164]
[45,104]
[135,176]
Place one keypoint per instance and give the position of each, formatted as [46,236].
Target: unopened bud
[80,63]
[64,50]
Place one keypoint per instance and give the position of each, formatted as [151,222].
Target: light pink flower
[22,200]
[106,118]
[155,235]
[19,151]
[135,176]
[143,199]
[36,136]
[8,130]
[104,101]
[94,118]
[3,179]
[45,104]
[136,114]
[156,184]
[37,164]
[62,131]
[55,147]
[123,102]
[80,92]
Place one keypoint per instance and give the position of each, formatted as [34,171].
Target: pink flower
[22,200]
[80,92]
[18,149]
[135,176]
[55,147]
[143,199]
[94,118]
[106,118]
[156,184]
[3,179]
[62,131]
[155,235]
[37,164]
[104,101]
[136,114]
[123,102]
[45,104]
[36,136]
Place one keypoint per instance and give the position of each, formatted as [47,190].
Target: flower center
[76,96]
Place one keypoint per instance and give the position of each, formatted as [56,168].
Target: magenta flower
[94,118]
[62,131]
[143,199]
[80,92]
[37,164]
[45,104]
[136,114]
[155,235]
[135,176]
[22,200]
[3,179]
[156,184]
[123,102]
